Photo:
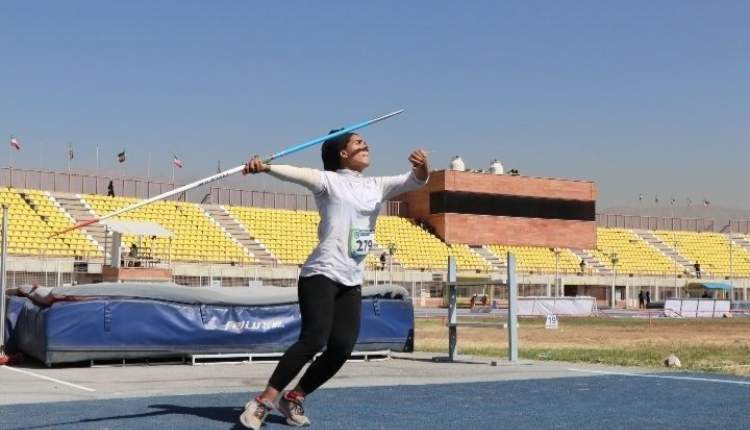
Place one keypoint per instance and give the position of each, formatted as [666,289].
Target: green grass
[719,345]
[723,359]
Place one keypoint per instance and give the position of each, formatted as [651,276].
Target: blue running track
[593,402]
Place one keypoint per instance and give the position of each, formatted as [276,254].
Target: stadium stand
[418,249]
[634,254]
[710,250]
[196,236]
[33,217]
[289,235]
[536,259]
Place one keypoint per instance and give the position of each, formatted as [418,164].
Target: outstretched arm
[309,178]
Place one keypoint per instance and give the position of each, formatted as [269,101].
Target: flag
[689,201]
[121,157]
[15,143]
[706,203]
[177,162]
[70,152]
[674,200]
[656,198]
[640,197]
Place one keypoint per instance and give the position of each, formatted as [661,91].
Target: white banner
[697,308]
[542,306]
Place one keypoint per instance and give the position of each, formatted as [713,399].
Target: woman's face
[356,154]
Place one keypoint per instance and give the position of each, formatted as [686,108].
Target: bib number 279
[361,242]
[363,246]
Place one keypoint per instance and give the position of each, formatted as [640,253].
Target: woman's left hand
[418,160]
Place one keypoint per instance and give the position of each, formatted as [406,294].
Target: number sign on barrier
[551,322]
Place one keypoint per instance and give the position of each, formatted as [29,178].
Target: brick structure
[500,215]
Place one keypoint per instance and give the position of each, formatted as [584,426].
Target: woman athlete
[329,288]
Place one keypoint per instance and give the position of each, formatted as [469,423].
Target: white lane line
[679,378]
[57,381]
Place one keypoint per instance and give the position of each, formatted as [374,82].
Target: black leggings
[330,319]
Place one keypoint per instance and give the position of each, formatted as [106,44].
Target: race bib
[360,242]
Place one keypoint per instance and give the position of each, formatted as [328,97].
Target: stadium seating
[196,236]
[634,254]
[289,235]
[535,259]
[418,249]
[33,218]
[710,250]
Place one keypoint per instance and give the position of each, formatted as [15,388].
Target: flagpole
[148,166]
[229,172]
[172,173]
[70,148]
[122,175]
[97,161]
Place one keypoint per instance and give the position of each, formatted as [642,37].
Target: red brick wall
[452,180]
[486,229]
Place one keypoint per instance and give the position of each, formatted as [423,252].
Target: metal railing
[740,226]
[76,182]
[654,222]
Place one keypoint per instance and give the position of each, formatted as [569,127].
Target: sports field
[712,345]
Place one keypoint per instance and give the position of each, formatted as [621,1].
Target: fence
[740,226]
[654,222]
[143,188]
[50,278]
[84,183]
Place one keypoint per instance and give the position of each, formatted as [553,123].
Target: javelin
[229,172]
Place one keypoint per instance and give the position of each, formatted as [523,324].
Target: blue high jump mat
[112,321]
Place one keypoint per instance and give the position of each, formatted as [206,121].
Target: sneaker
[290,405]
[255,413]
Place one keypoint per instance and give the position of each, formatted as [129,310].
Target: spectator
[697,267]
[383,257]
[641,299]
[111,189]
[648,298]
[583,267]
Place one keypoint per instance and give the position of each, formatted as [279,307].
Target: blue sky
[641,97]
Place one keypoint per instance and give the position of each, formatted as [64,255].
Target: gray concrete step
[240,234]
[75,208]
[592,263]
[490,258]
[667,250]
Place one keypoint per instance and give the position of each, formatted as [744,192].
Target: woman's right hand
[255,165]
